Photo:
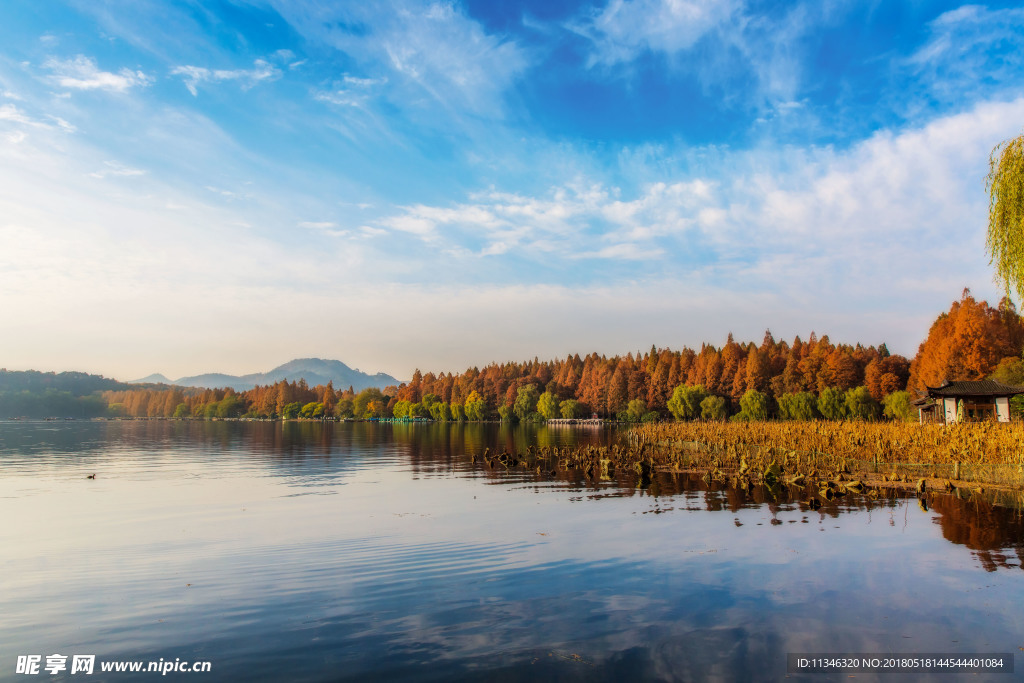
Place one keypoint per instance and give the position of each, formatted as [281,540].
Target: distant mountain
[314,370]
[155,378]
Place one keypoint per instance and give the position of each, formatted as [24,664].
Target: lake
[364,551]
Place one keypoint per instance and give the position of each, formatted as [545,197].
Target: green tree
[635,410]
[713,408]
[799,406]
[1009,371]
[505,414]
[475,407]
[547,406]
[290,410]
[401,409]
[860,405]
[755,405]
[897,406]
[180,411]
[344,408]
[458,414]
[570,409]
[439,411]
[1005,240]
[832,404]
[526,401]
[685,401]
[313,410]
[231,405]
[361,403]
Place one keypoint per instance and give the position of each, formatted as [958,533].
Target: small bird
[91,476]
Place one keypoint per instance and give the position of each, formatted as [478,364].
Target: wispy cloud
[14,115]
[576,221]
[970,50]
[421,48]
[352,91]
[721,43]
[193,76]
[894,203]
[82,73]
[624,29]
[116,169]
[9,112]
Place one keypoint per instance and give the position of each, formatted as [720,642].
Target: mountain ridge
[314,370]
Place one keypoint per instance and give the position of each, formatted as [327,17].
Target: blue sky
[188,187]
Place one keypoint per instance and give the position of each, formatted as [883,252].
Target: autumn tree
[967,343]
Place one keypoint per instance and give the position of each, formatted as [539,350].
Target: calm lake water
[333,552]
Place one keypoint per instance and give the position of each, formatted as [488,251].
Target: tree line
[801,380]
[743,379]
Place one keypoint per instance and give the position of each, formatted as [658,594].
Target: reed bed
[823,460]
[987,452]
[979,443]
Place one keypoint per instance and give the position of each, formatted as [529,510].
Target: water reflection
[368,551]
[995,535]
[312,454]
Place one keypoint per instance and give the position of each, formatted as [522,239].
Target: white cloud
[193,76]
[62,124]
[891,211]
[565,222]
[624,29]
[116,169]
[9,112]
[630,252]
[722,43]
[430,48]
[363,82]
[81,73]
[971,49]
[352,91]
[14,115]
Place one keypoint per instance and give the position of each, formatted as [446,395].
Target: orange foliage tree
[967,343]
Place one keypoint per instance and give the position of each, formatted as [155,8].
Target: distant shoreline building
[982,401]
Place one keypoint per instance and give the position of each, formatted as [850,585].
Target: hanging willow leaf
[1005,241]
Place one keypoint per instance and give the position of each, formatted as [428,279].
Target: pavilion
[982,400]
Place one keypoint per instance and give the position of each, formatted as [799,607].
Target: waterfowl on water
[91,476]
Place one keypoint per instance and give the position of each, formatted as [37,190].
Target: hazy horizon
[442,185]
